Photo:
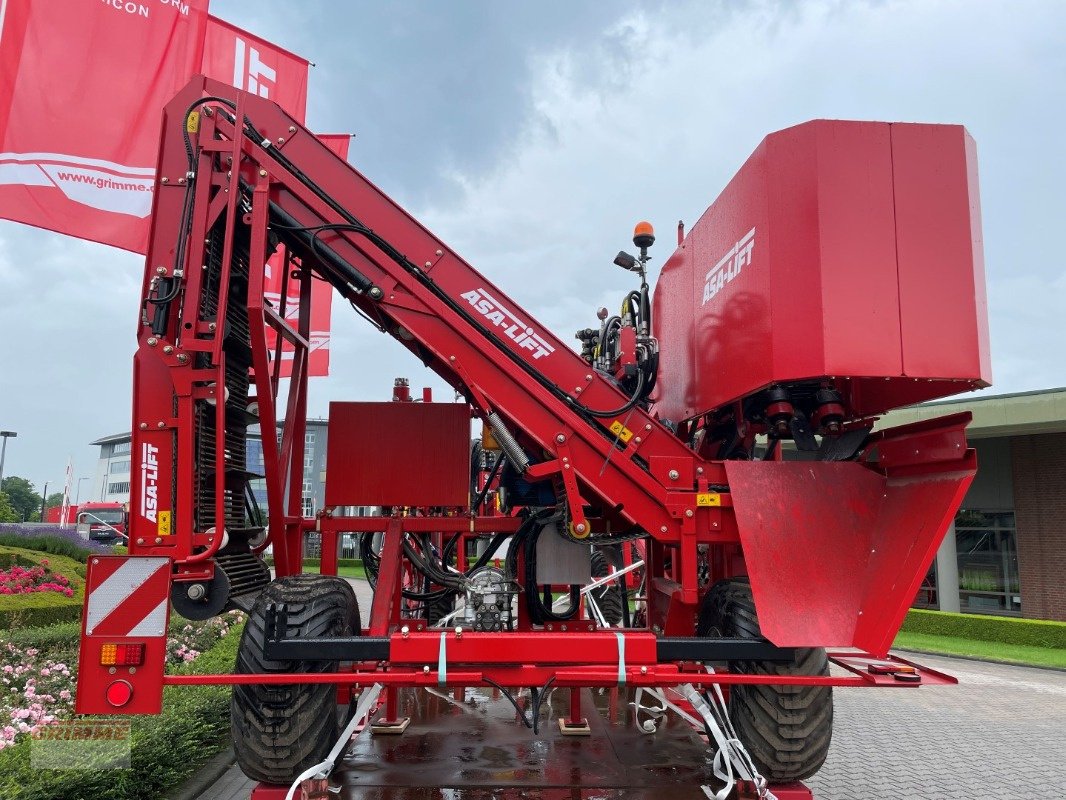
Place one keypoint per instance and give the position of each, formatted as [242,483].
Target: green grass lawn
[993,651]
[344,572]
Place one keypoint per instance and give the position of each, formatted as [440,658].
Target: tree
[23,497]
[55,500]
[7,513]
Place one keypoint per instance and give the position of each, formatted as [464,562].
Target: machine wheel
[786,729]
[609,597]
[279,731]
[436,610]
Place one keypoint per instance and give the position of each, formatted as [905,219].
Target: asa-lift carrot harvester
[697,505]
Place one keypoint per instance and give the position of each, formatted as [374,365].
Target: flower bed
[165,749]
[36,692]
[186,643]
[39,578]
[41,589]
[36,689]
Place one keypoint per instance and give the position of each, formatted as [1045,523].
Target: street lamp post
[44,499]
[3,451]
[77,494]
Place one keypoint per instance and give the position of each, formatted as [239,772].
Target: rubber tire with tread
[608,597]
[279,731]
[785,728]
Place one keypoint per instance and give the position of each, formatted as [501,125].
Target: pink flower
[64,695]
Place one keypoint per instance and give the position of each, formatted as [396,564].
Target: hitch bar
[276,647]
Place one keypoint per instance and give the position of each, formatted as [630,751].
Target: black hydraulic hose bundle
[434,572]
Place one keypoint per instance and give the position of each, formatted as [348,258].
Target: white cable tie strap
[442,660]
[660,694]
[597,615]
[621,658]
[324,768]
[731,751]
[655,712]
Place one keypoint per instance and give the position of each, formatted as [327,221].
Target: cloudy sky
[532,136]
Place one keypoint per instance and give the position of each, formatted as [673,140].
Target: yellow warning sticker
[708,499]
[163,523]
[621,431]
[192,122]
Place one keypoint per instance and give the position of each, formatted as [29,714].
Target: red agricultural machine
[837,276]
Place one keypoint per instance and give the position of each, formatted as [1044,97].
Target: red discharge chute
[836,551]
[81,88]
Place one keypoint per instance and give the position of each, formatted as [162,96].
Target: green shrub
[10,558]
[67,543]
[37,609]
[63,637]
[1008,630]
[166,749]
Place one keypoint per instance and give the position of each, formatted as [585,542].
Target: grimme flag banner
[82,85]
[243,60]
[321,297]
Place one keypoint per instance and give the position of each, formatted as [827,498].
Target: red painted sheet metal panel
[398,454]
[126,602]
[835,551]
[941,267]
[860,325]
[821,259]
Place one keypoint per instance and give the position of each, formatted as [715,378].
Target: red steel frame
[651,480]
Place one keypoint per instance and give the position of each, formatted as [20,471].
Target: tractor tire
[436,610]
[279,731]
[608,597]
[786,729]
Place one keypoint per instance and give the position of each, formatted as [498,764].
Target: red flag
[243,60]
[321,297]
[81,88]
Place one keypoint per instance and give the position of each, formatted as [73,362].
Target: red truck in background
[98,522]
[51,515]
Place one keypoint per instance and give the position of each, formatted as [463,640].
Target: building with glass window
[111,481]
[1005,553]
[314,478]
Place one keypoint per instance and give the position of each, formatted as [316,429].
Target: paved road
[1000,734]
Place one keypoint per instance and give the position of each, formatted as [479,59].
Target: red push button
[119,693]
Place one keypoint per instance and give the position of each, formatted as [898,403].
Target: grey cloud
[532,136]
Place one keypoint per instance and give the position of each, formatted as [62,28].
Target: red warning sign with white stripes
[124,626]
[128,597]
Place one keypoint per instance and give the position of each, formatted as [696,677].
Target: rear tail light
[122,655]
